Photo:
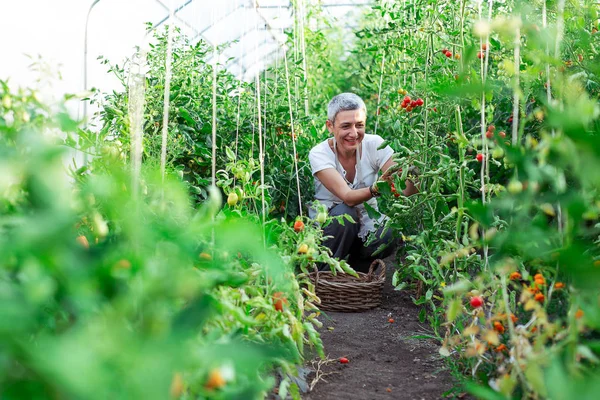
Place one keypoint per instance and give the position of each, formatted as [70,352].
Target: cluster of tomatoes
[448,54]
[490,132]
[481,54]
[408,104]
[394,190]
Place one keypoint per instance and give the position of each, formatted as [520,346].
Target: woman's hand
[411,183]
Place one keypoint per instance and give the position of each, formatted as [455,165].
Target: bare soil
[386,361]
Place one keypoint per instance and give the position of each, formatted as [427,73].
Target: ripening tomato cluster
[279,300]
[490,132]
[448,54]
[408,104]
[481,54]
[394,190]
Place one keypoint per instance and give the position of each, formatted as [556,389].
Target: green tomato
[25,116]
[6,101]
[498,152]
[515,187]
[232,199]
[321,217]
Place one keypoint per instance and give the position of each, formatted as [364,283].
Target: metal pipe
[162,21]
[85,60]
[85,75]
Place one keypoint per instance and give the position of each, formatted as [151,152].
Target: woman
[346,169]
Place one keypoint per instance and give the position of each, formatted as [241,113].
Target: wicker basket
[346,293]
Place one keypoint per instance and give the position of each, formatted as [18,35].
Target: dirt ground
[385,360]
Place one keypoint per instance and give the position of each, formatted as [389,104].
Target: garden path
[385,360]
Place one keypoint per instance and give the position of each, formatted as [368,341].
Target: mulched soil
[386,361]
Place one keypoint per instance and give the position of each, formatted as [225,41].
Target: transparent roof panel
[223,32]
[253,27]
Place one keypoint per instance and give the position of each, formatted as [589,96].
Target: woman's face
[348,129]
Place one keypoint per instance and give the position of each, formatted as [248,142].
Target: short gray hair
[344,102]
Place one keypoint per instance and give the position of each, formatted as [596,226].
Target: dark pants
[345,243]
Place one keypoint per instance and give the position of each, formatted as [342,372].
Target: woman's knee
[341,209]
[335,227]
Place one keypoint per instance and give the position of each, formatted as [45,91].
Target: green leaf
[422,315]
[67,124]
[457,288]
[535,376]
[454,309]
[372,212]
[429,294]
[230,154]
[196,314]
[482,392]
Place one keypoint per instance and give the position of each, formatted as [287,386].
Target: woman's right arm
[334,182]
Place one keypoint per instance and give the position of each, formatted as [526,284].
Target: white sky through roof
[55,29]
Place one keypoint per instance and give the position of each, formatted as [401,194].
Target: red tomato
[298,226]
[476,301]
[479,157]
[420,102]
[279,305]
[344,360]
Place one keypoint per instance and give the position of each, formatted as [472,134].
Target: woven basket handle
[316,277]
[376,264]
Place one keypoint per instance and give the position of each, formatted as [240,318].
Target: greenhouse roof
[257,27]
[54,36]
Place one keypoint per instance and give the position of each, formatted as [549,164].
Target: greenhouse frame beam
[178,18]
[200,33]
[322,5]
[276,48]
[269,54]
[262,45]
[162,21]
[266,23]
[85,61]
[247,31]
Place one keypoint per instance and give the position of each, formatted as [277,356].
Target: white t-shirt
[368,165]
